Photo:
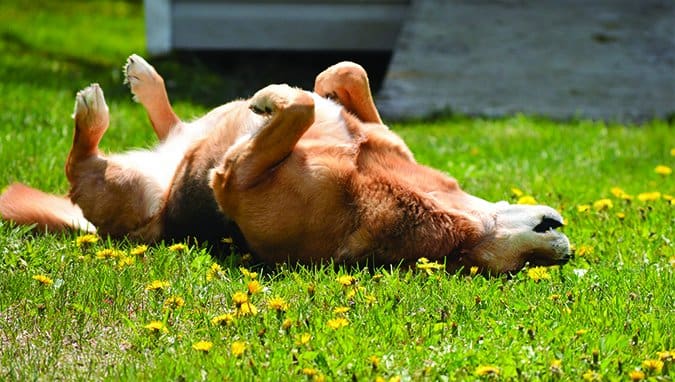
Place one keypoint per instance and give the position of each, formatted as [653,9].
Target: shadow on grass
[207,78]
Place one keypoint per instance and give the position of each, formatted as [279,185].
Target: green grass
[90,322]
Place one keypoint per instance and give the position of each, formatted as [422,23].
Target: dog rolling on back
[300,176]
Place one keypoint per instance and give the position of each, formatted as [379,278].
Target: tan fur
[298,177]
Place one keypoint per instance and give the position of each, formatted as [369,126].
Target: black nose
[547,224]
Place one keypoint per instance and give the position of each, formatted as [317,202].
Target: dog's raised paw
[272,98]
[91,109]
[90,100]
[138,74]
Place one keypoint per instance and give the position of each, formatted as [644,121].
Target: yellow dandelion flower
[126,261]
[652,365]
[308,371]
[636,375]
[109,253]
[247,273]
[668,197]
[527,199]
[139,250]
[337,323]
[556,366]
[44,280]
[215,272]
[554,297]
[620,215]
[247,309]
[157,285]
[583,207]
[238,348]
[349,294]
[223,319]
[346,280]
[287,324]
[156,327]
[341,310]
[428,266]
[473,271]
[482,371]
[591,376]
[254,287]
[581,332]
[649,196]
[517,192]
[666,355]
[374,361]
[303,339]
[584,250]
[203,346]
[603,204]
[178,247]
[239,298]
[86,240]
[174,302]
[663,170]
[278,304]
[538,273]
[227,240]
[370,299]
[672,152]
[620,193]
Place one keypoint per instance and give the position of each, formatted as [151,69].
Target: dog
[296,175]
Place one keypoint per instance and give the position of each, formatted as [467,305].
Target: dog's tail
[27,206]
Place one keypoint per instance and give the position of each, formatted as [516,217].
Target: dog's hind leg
[289,112]
[347,83]
[112,192]
[148,89]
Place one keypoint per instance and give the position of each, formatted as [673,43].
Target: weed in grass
[606,315]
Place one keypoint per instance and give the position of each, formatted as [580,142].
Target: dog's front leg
[148,88]
[288,113]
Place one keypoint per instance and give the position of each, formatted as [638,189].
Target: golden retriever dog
[299,176]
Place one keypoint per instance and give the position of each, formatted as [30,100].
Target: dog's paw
[90,107]
[138,74]
[272,98]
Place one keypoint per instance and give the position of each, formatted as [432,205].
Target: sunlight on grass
[83,307]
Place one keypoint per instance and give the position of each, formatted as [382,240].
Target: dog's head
[516,235]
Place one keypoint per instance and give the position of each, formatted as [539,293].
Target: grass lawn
[79,309]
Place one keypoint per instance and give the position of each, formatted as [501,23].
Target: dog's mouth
[559,253]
